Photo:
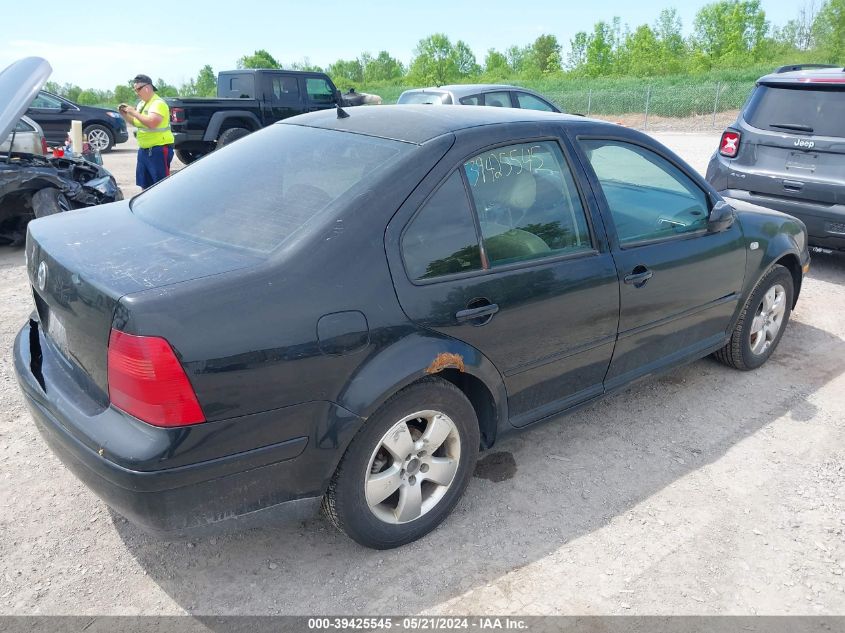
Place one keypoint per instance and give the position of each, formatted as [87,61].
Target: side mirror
[64,106]
[721,217]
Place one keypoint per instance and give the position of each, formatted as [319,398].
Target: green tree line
[726,36]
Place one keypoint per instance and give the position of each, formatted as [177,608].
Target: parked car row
[351,303]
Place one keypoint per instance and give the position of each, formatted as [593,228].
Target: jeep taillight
[44,149]
[729,145]
[146,380]
[177,115]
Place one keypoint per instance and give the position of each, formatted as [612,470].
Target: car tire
[388,458]
[189,156]
[231,135]
[99,137]
[49,201]
[761,323]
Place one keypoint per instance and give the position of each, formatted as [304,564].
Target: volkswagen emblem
[41,279]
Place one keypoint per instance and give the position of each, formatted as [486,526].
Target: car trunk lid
[81,263]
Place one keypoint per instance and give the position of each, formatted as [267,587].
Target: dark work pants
[153,165]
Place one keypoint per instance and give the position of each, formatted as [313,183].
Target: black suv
[786,150]
[105,128]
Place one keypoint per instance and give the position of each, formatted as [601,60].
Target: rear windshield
[436,98]
[798,110]
[259,191]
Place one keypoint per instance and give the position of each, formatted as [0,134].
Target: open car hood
[19,85]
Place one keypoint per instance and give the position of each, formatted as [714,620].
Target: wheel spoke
[772,332]
[768,300]
[779,305]
[381,485]
[758,324]
[441,470]
[758,343]
[410,503]
[436,432]
[399,442]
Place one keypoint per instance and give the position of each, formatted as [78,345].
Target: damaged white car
[33,185]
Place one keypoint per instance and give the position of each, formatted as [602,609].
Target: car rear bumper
[171,498]
[825,222]
[190,141]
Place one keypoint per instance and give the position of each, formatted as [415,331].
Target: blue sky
[98,45]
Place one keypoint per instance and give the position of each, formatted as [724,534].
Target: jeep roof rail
[793,67]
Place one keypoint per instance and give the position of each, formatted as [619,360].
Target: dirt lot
[706,491]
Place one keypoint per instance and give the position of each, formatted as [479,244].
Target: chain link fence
[681,107]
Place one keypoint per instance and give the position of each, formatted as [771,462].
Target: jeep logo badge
[802,143]
[41,278]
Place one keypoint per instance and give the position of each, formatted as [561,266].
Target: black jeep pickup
[246,101]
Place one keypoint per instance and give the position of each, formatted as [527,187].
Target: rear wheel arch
[450,360]
[228,124]
[481,399]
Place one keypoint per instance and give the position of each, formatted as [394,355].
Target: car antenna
[341,113]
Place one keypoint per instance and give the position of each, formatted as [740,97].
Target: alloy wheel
[98,139]
[768,319]
[412,467]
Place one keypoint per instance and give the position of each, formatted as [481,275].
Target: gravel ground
[708,491]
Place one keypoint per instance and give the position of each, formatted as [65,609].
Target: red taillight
[729,146]
[146,380]
[177,115]
[44,149]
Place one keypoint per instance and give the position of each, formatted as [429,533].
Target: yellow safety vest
[152,137]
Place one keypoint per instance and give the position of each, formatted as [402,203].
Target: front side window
[319,90]
[527,203]
[46,101]
[648,197]
[441,239]
[530,102]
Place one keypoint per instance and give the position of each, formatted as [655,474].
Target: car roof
[463,90]
[420,123]
[784,75]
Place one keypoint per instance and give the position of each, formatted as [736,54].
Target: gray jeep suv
[786,150]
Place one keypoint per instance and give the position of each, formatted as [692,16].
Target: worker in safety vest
[151,118]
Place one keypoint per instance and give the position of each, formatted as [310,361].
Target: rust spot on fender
[444,360]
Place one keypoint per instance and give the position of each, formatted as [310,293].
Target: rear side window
[441,239]
[471,100]
[285,89]
[798,110]
[258,192]
[527,203]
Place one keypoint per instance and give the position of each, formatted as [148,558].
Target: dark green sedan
[345,307]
